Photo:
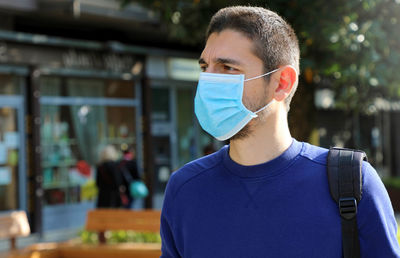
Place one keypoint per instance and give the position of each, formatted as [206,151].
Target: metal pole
[34,152]
[147,141]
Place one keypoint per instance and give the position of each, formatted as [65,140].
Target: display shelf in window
[61,142]
[64,163]
[59,185]
[127,140]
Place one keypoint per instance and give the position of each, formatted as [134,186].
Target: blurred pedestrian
[109,181]
[129,170]
[265,194]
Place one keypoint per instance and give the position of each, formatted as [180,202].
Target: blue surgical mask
[218,104]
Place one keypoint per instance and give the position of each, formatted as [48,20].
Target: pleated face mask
[218,104]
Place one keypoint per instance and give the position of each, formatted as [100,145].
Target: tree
[349,46]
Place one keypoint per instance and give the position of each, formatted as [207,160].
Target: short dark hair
[275,42]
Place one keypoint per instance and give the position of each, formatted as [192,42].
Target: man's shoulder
[315,154]
[194,169]
[320,155]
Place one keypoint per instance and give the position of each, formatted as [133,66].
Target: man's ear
[288,79]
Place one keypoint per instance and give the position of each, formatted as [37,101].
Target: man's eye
[228,68]
[203,68]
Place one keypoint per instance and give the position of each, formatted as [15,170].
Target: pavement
[51,236]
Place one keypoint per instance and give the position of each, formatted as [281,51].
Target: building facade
[63,99]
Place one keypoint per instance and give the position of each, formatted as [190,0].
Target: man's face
[230,52]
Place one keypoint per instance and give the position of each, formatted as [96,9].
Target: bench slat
[114,219]
[112,251]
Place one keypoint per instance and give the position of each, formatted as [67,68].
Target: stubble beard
[246,131]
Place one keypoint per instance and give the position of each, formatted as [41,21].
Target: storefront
[87,97]
[63,100]
[80,116]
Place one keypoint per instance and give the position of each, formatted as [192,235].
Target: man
[265,194]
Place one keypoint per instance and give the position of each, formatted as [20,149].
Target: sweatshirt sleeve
[168,246]
[376,221]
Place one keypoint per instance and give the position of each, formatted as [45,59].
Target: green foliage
[351,46]
[392,182]
[88,237]
[89,190]
[121,236]
[398,235]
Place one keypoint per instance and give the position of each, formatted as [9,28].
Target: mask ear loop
[262,75]
[261,109]
[259,76]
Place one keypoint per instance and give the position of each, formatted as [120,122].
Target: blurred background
[78,75]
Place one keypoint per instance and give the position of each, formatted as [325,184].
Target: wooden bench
[12,225]
[100,221]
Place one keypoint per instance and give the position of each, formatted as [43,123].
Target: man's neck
[263,144]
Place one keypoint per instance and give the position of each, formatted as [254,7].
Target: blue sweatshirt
[215,207]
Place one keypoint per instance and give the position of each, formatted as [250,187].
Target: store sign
[183,69]
[110,61]
[66,58]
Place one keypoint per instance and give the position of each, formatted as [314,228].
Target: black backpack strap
[125,173]
[345,185]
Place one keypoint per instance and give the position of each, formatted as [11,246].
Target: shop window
[9,150]
[172,152]
[186,135]
[160,105]
[192,144]
[12,152]
[161,145]
[73,135]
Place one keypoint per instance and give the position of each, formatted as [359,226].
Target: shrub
[120,236]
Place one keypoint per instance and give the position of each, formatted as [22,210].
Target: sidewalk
[51,236]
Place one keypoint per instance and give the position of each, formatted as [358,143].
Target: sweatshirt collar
[267,169]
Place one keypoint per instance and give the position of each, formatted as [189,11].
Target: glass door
[12,154]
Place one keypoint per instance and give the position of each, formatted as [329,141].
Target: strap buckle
[348,207]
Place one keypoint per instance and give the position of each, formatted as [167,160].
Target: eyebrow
[222,61]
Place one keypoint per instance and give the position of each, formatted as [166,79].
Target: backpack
[345,185]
